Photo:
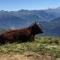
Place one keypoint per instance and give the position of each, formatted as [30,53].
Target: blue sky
[28,4]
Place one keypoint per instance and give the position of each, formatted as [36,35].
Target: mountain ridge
[50,19]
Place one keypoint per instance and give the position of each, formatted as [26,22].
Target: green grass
[42,45]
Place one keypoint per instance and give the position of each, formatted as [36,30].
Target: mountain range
[49,19]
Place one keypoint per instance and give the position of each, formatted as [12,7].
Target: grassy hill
[43,45]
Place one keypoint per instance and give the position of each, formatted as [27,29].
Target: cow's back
[16,35]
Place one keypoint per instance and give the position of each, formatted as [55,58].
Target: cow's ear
[37,22]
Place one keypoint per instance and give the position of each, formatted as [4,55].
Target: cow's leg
[32,38]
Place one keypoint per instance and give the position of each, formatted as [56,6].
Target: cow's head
[36,28]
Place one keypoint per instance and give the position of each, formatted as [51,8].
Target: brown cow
[21,35]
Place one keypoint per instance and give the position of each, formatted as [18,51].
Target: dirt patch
[26,56]
[13,57]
